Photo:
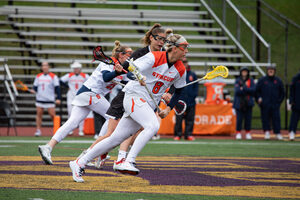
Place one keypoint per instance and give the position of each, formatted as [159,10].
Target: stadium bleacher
[67,30]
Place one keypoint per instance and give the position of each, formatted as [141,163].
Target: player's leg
[69,107]
[51,112]
[178,127]
[38,119]
[145,116]
[125,128]
[77,115]
[189,123]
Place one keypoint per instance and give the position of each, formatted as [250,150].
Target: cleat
[77,171]
[128,168]
[101,161]
[81,133]
[38,133]
[248,136]
[267,135]
[176,138]
[238,136]
[45,152]
[117,164]
[292,136]
[71,133]
[279,136]
[156,137]
[190,138]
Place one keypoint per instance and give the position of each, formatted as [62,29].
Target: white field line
[252,143]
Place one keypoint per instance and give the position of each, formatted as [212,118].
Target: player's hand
[166,97]
[165,112]
[57,101]
[259,101]
[31,91]
[143,81]
[118,68]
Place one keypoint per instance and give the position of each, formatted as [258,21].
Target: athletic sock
[122,154]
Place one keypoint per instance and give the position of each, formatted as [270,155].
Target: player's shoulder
[39,74]
[180,67]
[83,75]
[71,74]
[160,58]
[52,75]
[140,52]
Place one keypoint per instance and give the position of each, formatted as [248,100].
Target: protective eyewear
[159,38]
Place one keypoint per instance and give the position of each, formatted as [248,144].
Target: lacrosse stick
[99,55]
[21,86]
[134,69]
[220,70]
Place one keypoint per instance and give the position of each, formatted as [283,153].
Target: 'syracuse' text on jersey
[96,83]
[74,81]
[46,84]
[159,76]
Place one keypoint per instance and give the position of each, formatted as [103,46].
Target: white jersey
[74,81]
[46,84]
[96,83]
[159,76]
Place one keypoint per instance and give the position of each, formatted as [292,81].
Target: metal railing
[237,43]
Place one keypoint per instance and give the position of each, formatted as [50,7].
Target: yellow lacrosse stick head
[217,71]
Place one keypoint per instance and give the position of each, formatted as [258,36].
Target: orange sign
[209,120]
[214,93]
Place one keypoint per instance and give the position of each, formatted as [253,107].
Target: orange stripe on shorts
[132,107]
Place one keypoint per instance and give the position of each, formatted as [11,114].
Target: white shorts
[45,105]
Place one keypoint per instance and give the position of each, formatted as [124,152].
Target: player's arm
[57,90]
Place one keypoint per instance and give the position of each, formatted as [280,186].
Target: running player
[91,97]
[74,80]
[45,85]
[153,40]
[162,69]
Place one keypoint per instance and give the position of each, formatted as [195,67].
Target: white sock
[122,154]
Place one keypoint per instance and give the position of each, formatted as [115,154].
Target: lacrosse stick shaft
[193,82]
[116,82]
[148,91]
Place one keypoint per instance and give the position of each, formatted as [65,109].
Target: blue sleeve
[108,76]
[281,91]
[175,97]
[57,91]
[35,88]
[237,88]
[292,91]
[131,76]
[196,87]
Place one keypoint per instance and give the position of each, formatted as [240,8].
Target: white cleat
[45,152]
[267,135]
[279,136]
[71,133]
[292,136]
[77,171]
[128,168]
[117,164]
[100,161]
[248,136]
[38,133]
[81,133]
[238,136]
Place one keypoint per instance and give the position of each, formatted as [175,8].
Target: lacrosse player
[45,85]
[74,80]
[91,97]
[161,69]
[153,40]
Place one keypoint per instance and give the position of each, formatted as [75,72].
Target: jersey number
[157,87]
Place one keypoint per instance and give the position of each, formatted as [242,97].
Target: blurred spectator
[295,103]
[188,95]
[74,80]
[244,92]
[45,85]
[269,96]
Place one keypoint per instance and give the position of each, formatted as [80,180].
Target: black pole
[286,70]
[258,26]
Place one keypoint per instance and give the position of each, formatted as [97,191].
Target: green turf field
[207,149]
